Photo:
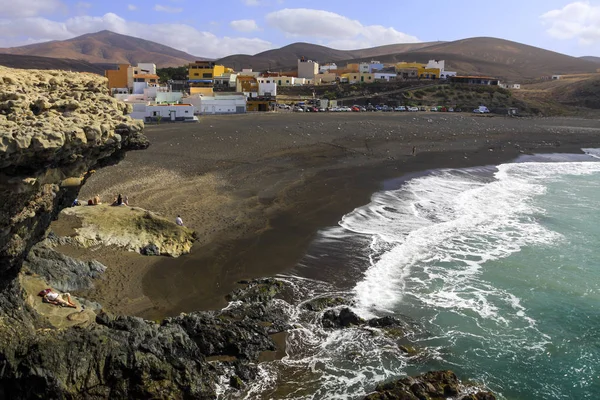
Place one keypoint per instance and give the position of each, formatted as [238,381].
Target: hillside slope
[33,62]
[287,56]
[106,47]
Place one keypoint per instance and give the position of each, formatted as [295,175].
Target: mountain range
[476,56]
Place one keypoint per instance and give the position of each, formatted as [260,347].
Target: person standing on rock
[179,221]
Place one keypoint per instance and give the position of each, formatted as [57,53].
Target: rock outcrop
[130,228]
[435,385]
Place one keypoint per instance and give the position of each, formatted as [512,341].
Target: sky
[216,29]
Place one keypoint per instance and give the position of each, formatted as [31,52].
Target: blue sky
[215,29]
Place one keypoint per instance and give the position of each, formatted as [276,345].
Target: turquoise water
[498,268]
[503,272]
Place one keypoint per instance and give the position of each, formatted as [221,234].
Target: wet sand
[257,187]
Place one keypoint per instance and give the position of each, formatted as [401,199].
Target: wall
[146,68]
[307,69]
[385,76]
[117,78]
[267,85]
[169,97]
[201,90]
[231,104]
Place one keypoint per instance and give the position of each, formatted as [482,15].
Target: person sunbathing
[59,299]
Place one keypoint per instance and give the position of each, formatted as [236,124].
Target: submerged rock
[434,385]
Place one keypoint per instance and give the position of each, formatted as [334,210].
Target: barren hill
[107,47]
[482,56]
[591,58]
[33,62]
[287,56]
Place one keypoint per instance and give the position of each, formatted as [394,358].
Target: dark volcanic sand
[257,187]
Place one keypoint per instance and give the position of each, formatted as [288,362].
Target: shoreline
[277,202]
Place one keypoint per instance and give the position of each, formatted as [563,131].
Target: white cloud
[342,32]
[251,3]
[167,9]
[131,7]
[25,8]
[184,37]
[244,25]
[578,20]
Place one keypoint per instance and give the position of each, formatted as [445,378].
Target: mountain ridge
[479,55]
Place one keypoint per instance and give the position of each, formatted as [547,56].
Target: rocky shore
[58,127]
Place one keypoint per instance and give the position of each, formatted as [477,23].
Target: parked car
[481,110]
[298,109]
[413,108]
[370,107]
[355,108]
[433,109]
[400,108]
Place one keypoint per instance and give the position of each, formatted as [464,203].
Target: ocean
[495,270]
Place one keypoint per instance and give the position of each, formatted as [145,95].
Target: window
[196,74]
[186,111]
[207,75]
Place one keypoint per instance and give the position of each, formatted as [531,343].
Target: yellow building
[246,84]
[326,77]
[201,75]
[355,77]
[407,65]
[117,78]
[429,73]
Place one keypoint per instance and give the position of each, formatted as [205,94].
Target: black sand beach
[257,187]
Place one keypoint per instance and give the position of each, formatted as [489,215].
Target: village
[211,88]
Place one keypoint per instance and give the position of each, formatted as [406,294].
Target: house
[352,67]
[556,77]
[307,68]
[118,79]
[369,67]
[219,103]
[385,76]
[326,77]
[475,80]
[164,112]
[357,77]
[267,86]
[201,76]
[327,68]
[247,84]
[407,73]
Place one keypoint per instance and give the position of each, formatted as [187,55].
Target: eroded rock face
[54,127]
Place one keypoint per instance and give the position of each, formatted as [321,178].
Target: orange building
[117,78]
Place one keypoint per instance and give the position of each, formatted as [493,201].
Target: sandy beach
[257,187]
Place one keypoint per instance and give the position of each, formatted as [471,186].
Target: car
[355,108]
[413,108]
[400,108]
[298,109]
[370,107]
[481,110]
[433,109]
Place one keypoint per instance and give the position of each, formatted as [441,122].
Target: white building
[249,72]
[385,76]
[327,67]
[441,65]
[267,86]
[226,80]
[368,67]
[556,77]
[219,103]
[164,112]
[307,68]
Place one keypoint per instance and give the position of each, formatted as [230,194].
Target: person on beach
[179,221]
[414,150]
[96,200]
[125,201]
[52,297]
[118,201]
